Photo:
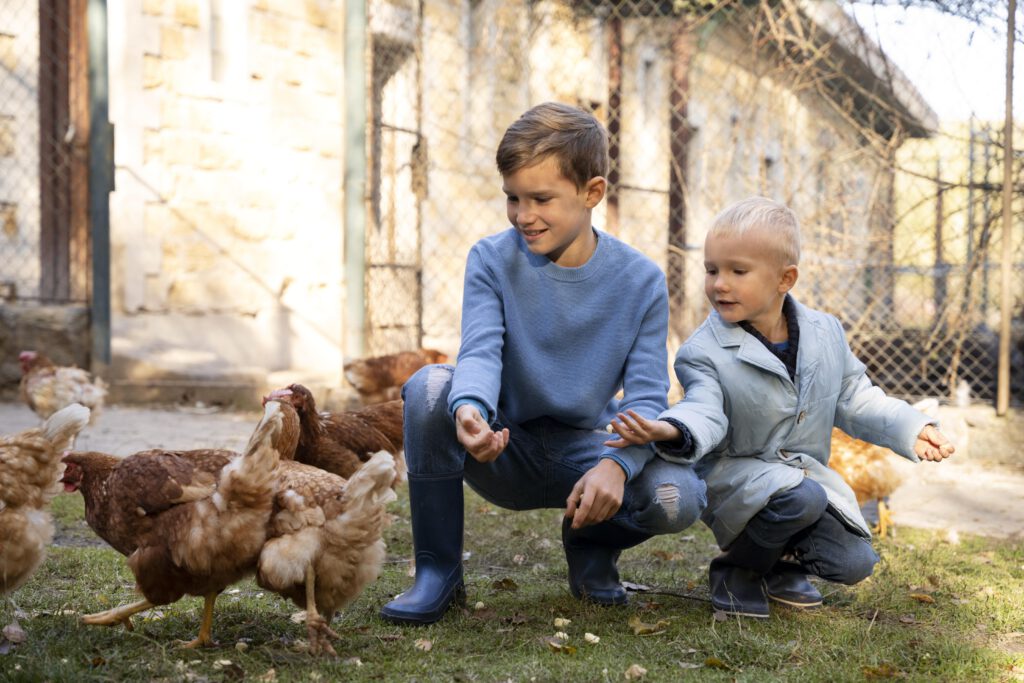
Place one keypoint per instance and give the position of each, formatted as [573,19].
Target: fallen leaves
[923,597]
[882,671]
[505,584]
[634,672]
[641,628]
[558,645]
[423,644]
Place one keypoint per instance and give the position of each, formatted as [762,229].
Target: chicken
[381,378]
[190,522]
[324,543]
[30,471]
[873,472]
[340,442]
[47,388]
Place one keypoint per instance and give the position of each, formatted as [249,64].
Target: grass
[933,611]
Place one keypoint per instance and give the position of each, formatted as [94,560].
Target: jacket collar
[753,352]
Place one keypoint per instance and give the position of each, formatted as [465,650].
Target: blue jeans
[542,462]
[800,521]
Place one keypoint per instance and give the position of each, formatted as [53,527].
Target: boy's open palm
[933,445]
[635,430]
[476,436]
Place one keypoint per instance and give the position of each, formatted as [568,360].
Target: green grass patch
[932,611]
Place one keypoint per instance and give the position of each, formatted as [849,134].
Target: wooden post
[614,121]
[683,48]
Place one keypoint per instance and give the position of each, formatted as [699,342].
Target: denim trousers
[800,521]
[541,463]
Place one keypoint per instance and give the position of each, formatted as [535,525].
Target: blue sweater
[540,340]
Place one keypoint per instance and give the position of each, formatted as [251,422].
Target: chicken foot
[118,615]
[205,636]
[317,628]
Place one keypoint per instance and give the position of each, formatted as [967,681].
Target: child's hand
[476,436]
[597,495]
[932,445]
[635,430]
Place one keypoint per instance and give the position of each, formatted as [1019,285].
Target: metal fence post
[101,181]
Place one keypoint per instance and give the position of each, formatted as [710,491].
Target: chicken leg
[206,627]
[317,628]
[884,518]
[122,615]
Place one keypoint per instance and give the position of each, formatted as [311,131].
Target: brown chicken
[873,472]
[341,442]
[381,378]
[190,522]
[324,542]
[30,471]
[47,388]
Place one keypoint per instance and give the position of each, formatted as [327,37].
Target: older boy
[557,317]
[766,379]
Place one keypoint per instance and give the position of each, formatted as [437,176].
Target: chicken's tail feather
[371,484]
[62,427]
[249,481]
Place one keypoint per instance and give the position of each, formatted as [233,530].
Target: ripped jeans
[542,462]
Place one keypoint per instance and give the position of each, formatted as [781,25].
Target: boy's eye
[512,200]
[740,272]
[710,271]
[543,200]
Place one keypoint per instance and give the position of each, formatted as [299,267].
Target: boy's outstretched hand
[932,445]
[635,430]
[597,495]
[476,436]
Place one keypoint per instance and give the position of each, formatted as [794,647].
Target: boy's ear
[790,274]
[595,190]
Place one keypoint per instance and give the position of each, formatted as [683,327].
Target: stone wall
[226,224]
[62,331]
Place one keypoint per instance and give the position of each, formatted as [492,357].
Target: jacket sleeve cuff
[481,408]
[631,459]
[677,449]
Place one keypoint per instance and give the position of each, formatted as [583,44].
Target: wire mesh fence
[705,103]
[44,248]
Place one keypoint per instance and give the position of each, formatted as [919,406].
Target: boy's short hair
[573,136]
[755,213]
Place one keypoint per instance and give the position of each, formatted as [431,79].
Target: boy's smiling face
[551,213]
[745,279]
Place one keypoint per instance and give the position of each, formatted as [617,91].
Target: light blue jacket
[757,433]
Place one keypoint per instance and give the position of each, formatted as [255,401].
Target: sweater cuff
[481,408]
[631,459]
[682,447]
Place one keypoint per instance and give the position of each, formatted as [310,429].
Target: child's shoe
[737,591]
[787,583]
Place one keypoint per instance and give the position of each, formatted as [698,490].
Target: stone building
[227,229]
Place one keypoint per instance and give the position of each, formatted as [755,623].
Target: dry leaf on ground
[641,628]
[634,672]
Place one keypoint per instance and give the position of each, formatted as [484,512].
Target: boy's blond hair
[573,136]
[761,213]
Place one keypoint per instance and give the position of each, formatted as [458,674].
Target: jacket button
[801,416]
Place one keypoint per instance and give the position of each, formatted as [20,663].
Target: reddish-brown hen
[341,442]
[324,542]
[190,522]
[30,470]
[47,388]
[381,378]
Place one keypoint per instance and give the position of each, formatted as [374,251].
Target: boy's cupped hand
[636,430]
[476,436]
[933,445]
[597,495]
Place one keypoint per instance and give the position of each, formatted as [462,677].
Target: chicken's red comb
[27,355]
[277,394]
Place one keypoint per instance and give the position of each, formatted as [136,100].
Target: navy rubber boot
[591,553]
[736,578]
[435,504]
[787,583]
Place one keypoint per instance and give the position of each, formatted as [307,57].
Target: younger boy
[557,317]
[766,379]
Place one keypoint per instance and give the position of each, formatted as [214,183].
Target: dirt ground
[979,490]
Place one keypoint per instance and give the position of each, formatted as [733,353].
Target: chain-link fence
[44,122]
[705,103]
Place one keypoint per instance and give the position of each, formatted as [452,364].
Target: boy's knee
[428,388]
[675,506]
[804,503]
